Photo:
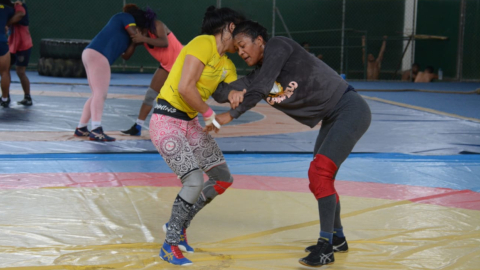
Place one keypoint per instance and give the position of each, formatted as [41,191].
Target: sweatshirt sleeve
[221,94]
[276,54]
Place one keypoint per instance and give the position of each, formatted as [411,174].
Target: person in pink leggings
[162,44]
[176,131]
[112,41]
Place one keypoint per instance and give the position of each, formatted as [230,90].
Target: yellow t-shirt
[217,69]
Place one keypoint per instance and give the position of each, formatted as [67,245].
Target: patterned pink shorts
[183,144]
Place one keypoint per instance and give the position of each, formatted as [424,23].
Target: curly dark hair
[143,18]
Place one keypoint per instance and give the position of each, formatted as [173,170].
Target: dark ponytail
[215,19]
[251,29]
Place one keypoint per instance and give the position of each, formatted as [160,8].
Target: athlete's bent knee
[222,177]
[192,186]
[150,97]
[320,174]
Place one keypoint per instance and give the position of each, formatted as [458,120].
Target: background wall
[471,59]
[318,22]
[438,17]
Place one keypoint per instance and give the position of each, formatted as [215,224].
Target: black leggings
[343,127]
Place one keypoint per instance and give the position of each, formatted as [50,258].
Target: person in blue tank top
[112,41]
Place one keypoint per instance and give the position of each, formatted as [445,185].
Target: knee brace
[192,186]
[222,177]
[219,180]
[321,176]
[150,97]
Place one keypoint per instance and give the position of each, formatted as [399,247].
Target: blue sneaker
[183,245]
[98,135]
[173,255]
[82,132]
[135,130]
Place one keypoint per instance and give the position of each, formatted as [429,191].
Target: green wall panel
[438,17]
[471,53]
[376,18]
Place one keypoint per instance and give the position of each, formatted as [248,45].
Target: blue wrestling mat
[403,122]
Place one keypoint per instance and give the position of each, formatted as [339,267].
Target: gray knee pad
[150,97]
[219,180]
[220,173]
[192,186]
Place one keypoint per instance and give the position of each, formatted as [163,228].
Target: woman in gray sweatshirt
[303,87]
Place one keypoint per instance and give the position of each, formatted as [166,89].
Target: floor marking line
[421,108]
[309,223]
[455,192]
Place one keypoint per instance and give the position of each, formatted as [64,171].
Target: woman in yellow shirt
[177,134]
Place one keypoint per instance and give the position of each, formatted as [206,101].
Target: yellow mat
[120,228]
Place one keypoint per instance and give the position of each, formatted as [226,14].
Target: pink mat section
[465,199]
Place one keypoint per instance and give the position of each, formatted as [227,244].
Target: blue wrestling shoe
[173,255]
[82,132]
[98,135]
[183,245]
[135,130]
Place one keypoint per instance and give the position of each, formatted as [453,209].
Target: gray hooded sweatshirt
[291,80]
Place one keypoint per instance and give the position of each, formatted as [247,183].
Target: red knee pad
[221,186]
[321,172]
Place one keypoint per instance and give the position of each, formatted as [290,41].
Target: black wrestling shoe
[98,135]
[6,103]
[339,245]
[135,130]
[322,254]
[82,132]
[26,102]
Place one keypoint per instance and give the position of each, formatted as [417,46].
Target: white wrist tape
[209,120]
[216,124]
